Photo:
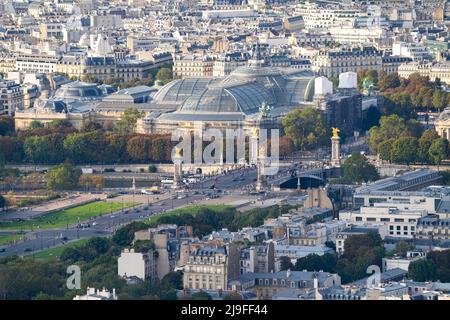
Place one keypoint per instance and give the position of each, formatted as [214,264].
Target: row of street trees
[400,141]
[405,97]
[59,142]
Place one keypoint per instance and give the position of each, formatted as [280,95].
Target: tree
[422,270]
[425,142]
[314,262]
[438,151]
[161,148]
[165,75]
[389,81]
[330,244]
[358,169]
[404,150]
[233,295]
[63,177]
[286,146]
[91,181]
[371,119]
[201,295]
[402,247]
[385,149]
[285,263]
[36,124]
[360,251]
[306,128]
[128,121]
[6,125]
[125,235]
[439,99]
[11,148]
[391,127]
[152,168]
[139,148]
[173,280]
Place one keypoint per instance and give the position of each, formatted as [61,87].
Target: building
[37,63]
[267,285]
[400,223]
[332,62]
[343,235]
[433,228]
[93,294]
[257,259]
[391,64]
[137,264]
[106,67]
[297,252]
[207,269]
[432,70]
[224,65]
[408,181]
[415,51]
[402,262]
[11,97]
[442,124]
[190,66]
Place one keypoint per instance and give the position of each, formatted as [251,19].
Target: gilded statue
[335,132]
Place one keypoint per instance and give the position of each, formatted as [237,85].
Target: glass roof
[246,98]
[179,90]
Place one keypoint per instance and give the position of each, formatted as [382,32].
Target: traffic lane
[48,240]
[226,181]
[104,225]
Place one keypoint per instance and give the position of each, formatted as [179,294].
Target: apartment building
[137,264]
[432,70]
[11,97]
[207,269]
[193,66]
[331,63]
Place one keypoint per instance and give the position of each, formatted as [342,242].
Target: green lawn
[193,210]
[7,238]
[61,219]
[54,253]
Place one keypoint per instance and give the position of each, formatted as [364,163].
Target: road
[105,225]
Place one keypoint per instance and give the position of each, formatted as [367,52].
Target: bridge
[307,178]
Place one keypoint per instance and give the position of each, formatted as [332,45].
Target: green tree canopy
[125,235]
[201,295]
[63,177]
[425,142]
[128,121]
[358,169]
[285,263]
[404,150]
[2,202]
[438,150]
[306,128]
[165,75]
[422,270]
[314,262]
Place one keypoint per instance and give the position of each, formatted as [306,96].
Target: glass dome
[179,90]
[78,90]
[246,98]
